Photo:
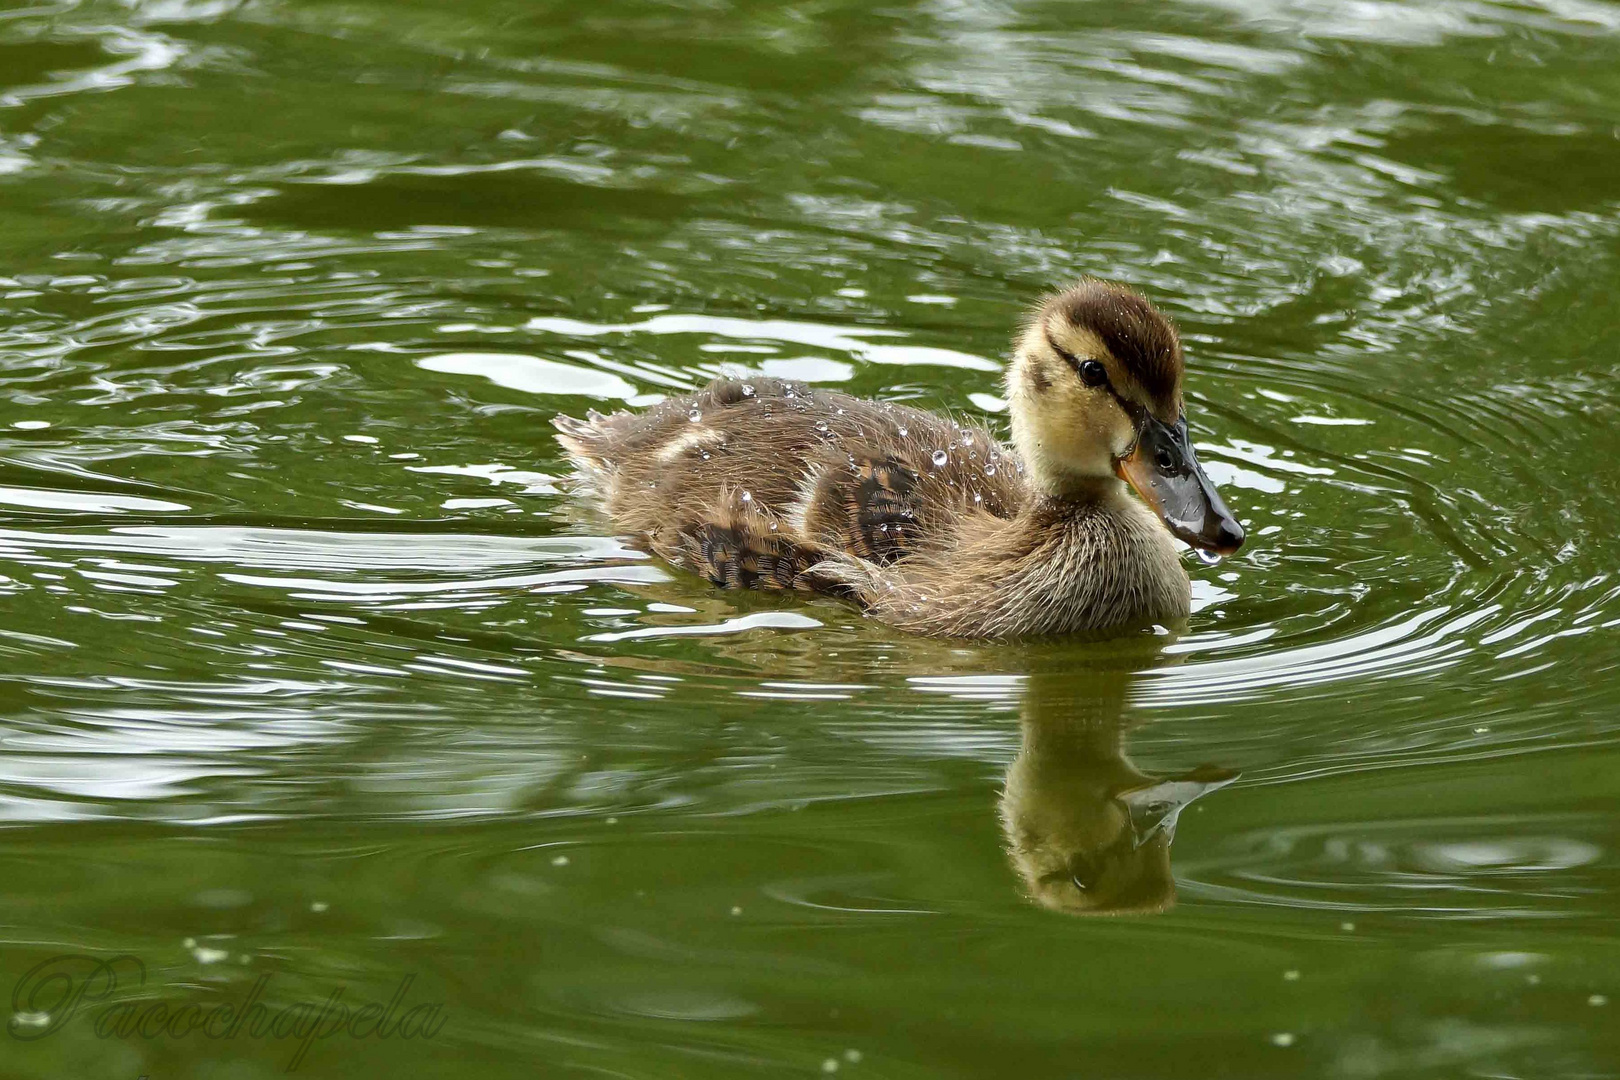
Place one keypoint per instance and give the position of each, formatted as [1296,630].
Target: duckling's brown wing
[740,554]
[871,508]
[752,484]
[862,505]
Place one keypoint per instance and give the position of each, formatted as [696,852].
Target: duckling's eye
[1091,372]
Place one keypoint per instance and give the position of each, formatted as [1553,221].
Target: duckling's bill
[1164,470]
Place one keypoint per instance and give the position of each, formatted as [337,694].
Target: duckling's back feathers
[752,483]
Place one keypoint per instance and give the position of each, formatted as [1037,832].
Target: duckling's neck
[1060,487]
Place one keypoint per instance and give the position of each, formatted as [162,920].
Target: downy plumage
[931,524]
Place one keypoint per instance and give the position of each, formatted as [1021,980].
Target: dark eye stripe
[1080,365]
[1074,361]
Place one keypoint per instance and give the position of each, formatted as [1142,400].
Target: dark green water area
[315,678]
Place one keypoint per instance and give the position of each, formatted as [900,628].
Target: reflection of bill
[49,995]
[1088,832]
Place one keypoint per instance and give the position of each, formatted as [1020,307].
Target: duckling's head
[1094,391]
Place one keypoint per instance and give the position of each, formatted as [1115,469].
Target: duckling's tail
[578,437]
[585,442]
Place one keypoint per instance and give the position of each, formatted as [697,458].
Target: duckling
[932,524]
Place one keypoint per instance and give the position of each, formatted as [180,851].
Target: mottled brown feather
[871,507]
[737,556]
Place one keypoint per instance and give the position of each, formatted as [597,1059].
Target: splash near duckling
[933,525]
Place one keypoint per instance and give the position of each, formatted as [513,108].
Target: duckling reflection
[1088,832]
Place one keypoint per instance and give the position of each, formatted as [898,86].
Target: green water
[312,676]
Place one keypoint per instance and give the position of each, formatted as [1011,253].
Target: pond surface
[314,677]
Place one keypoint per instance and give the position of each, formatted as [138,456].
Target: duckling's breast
[1113,564]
